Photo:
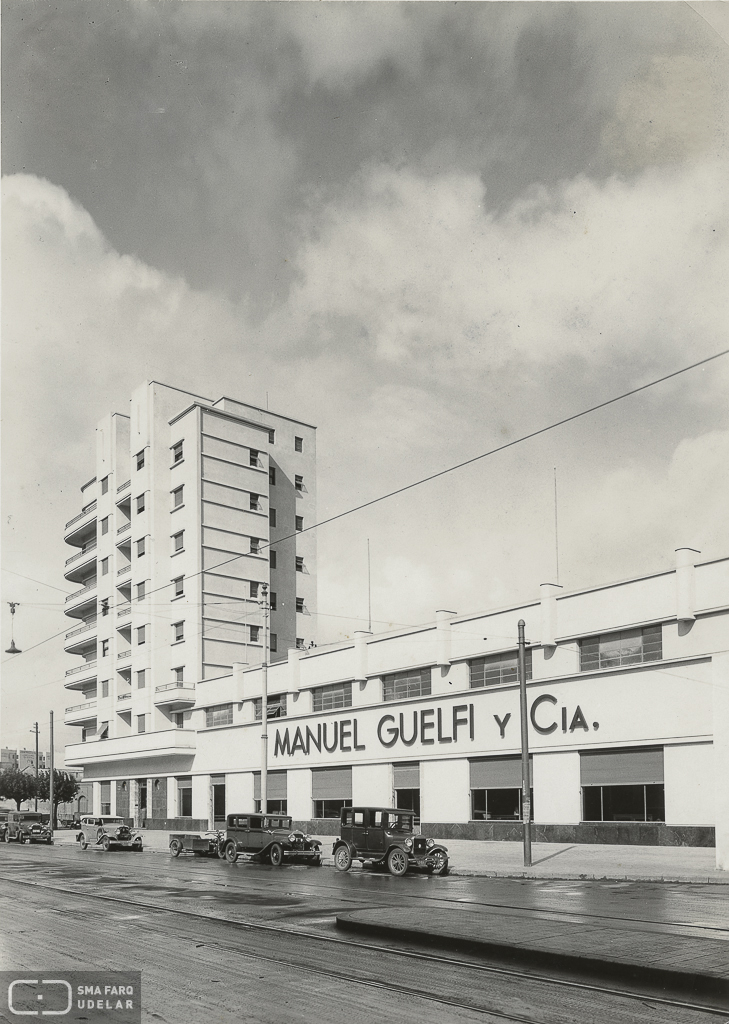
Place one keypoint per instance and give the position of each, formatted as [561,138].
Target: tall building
[193,505]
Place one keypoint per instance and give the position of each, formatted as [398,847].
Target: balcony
[176,743]
[79,677]
[81,638]
[124,570]
[81,714]
[123,610]
[81,602]
[82,527]
[124,529]
[123,487]
[124,654]
[124,696]
[174,696]
[78,565]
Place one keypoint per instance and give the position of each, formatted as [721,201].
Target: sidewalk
[549,860]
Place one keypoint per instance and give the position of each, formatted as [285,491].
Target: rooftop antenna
[556,533]
[13,649]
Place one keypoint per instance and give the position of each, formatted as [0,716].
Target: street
[219,942]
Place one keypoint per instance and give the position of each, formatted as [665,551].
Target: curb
[708,990]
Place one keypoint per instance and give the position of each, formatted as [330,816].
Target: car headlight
[431,842]
[292,837]
[408,843]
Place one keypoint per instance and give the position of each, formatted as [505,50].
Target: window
[496,789]
[406,783]
[178,717]
[272,517]
[299,523]
[177,674]
[177,496]
[276,705]
[177,452]
[299,604]
[105,688]
[331,697]
[141,679]
[331,790]
[104,606]
[623,785]
[139,459]
[254,457]
[104,648]
[141,546]
[498,668]
[141,634]
[105,485]
[141,723]
[255,542]
[254,631]
[141,590]
[272,437]
[105,788]
[104,566]
[254,590]
[104,733]
[178,542]
[330,808]
[178,631]
[179,586]
[273,641]
[273,603]
[254,502]
[184,797]
[272,476]
[276,793]
[222,714]
[299,563]
[272,559]
[415,683]
[299,483]
[629,647]
[298,444]
[104,526]
[140,504]
[300,643]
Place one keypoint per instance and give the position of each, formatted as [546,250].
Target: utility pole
[51,780]
[264,704]
[526,802]
[369,590]
[35,730]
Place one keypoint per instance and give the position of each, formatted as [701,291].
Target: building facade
[194,505]
[628,703]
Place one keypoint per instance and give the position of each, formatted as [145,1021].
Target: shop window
[330,808]
[624,784]
[218,786]
[276,705]
[332,696]
[624,803]
[276,792]
[184,797]
[498,805]
[105,788]
[406,783]
[331,790]
[496,669]
[628,647]
[221,714]
[399,685]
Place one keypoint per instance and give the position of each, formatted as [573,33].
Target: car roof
[385,810]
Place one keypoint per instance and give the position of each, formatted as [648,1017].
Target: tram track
[481,969]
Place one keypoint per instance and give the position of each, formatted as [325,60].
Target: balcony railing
[88,705]
[124,528]
[86,628]
[84,512]
[173,686]
[121,487]
[124,610]
[86,667]
[83,590]
[124,696]
[124,654]
[82,553]
[124,569]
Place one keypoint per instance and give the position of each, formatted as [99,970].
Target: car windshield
[398,822]
[114,821]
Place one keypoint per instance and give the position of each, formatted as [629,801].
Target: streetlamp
[13,649]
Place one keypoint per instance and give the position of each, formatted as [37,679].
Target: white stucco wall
[372,784]
[444,791]
[688,782]
[239,792]
[201,796]
[556,784]
[720,701]
[298,790]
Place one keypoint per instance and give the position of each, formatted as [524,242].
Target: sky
[429,229]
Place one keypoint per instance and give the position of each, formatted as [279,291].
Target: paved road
[219,942]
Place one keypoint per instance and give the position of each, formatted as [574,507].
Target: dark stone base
[319,826]
[177,824]
[614,833]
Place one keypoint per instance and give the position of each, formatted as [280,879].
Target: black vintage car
[26,827]
[267,837]
[385,836]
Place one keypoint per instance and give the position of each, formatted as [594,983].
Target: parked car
[208,845]
[26,827]
[386,836]
[107,832]
[267,837]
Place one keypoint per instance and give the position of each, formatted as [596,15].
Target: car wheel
[440,867]
[231,854]
[137,847]
[343,858]
[6,836]
[84,845]
[21,837]
[397,861]
[175,847]
[105,844]
[49,841]
[317,861]
[275,855]
[221,851]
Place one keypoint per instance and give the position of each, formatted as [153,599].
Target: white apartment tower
[193,506]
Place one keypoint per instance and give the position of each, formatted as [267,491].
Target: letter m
[282,746]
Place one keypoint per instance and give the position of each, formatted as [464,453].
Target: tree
[65,788]
[16,785]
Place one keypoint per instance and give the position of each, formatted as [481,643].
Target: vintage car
[385,836]
[267,837]
[27,827]
[106,832]
[207,845]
